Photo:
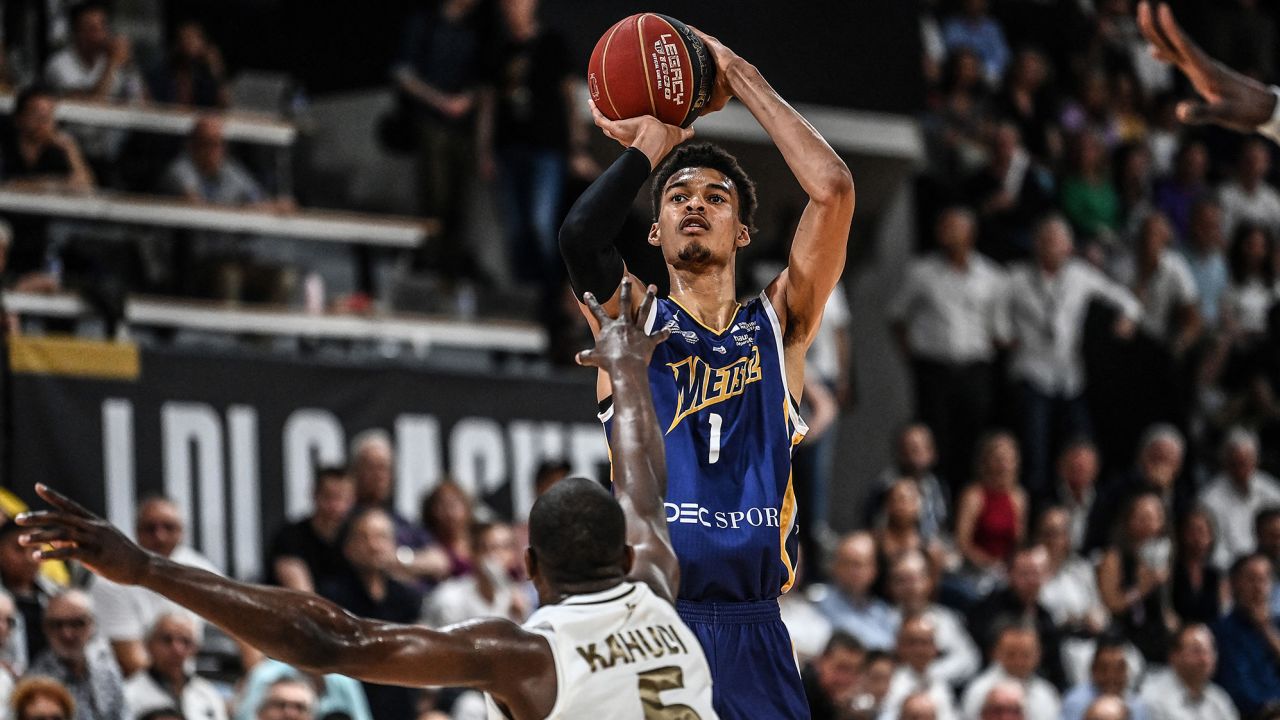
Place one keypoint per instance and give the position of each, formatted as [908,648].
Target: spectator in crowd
[1027,100]
[8,622]
[1090,111]
[1198,589]
[1251,293]
[1020,603]
[1133,177]
[1109,675]
[1185,691]
[369,590]
[1005,701]
[1015,660]
[914,459]
[1133,577]
[918,706]
[204,174]
[849,604]
[549,473]
[438,75]
[880,668]
[832,680]
[1156,471]
[292,699]
[1236,495]
[1248,197]
[306,552]
[1107,707]
[1087,195]
[911,587]
[31,591]
[89,672]
[373,468]
[1178,195]
[172,646]
[36,151]
[897,530]
[1267,531]
[991,521]
[1163,284]
[955,125]
[1077,488]
[1070,593]
[165,713]
[916,651]
[530,136]
[447,513]
[336,694]
[125,612]
[949,318]
[488,590]
[1206,258]
[42,698]
[193,74]
[976,30]
[1049,300]
[1009,193]
[1248,638]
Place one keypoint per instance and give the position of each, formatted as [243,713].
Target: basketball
[650,64]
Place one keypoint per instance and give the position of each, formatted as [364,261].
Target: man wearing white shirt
[1248,197]
[911,587]
[915,651]
[1236,496]
[1162,282]
[1049,299]
[1015,659]
[1184,691]
[172,644]
[949,318]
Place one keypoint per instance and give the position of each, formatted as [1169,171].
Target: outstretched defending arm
[1229,98]
[818,250]
[639,460]
[298,628]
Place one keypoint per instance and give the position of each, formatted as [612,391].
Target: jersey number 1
[652,684]
[714,453]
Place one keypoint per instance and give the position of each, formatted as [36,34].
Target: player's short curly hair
[706,155]
[578,532]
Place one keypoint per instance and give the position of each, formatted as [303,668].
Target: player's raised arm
[818,250]
[591,228]
[298,628]
[1229,98]
[639,460]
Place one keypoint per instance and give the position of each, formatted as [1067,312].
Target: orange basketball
[650,64]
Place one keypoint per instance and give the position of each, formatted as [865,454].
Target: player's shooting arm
[639,459]
[818,250]
[298,628]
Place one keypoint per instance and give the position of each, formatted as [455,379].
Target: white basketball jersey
[622,654]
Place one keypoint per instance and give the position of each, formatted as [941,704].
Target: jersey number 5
[652,684]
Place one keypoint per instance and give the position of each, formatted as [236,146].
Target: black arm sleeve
[588,234]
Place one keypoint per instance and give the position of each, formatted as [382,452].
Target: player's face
[698,225]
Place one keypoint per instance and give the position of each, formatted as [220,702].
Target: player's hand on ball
[622,340]
[1230,99]
[70,532]
[629,132]
[724,59]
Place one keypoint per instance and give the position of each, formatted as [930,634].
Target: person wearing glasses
[172,645]
[288,699]
[41,698]
[90,674]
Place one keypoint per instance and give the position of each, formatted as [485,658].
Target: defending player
[1230,99]
[727,383]
[606,643]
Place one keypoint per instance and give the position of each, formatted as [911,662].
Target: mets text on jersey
[698,385]
[695,514]
[631,646]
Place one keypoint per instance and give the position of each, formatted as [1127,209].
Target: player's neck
[560,593]
[710,295]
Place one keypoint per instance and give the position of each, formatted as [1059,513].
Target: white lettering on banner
[311,438]
[117,461]
[695,514]
[242,426]
[187,429]
[205,461]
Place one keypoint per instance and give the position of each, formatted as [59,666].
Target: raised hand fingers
[1183,49]
[596,310]
[624,299]
[647,304]
[659,337]
[1147,24]
[62,502]
[586,358]
[45,537]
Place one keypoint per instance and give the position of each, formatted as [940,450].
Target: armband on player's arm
[588,234]
[1271,128]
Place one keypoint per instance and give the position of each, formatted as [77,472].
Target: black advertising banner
[234,439]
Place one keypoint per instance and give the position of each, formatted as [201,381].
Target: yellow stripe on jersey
[787,519]
[736,308]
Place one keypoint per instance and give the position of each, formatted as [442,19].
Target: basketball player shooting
[1229,98]
[606,642]
[727,383]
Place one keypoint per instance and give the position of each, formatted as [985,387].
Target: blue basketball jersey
[722,400]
